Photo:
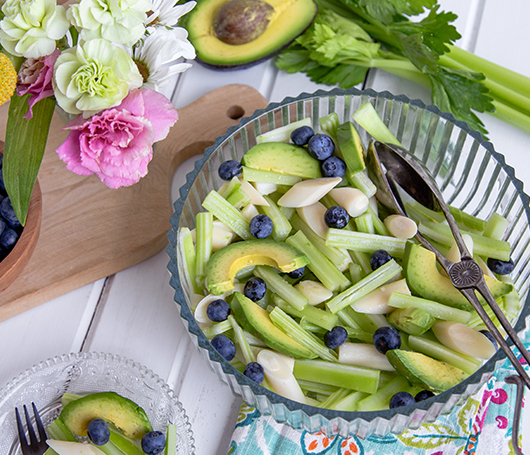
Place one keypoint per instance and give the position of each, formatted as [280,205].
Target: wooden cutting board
[89,231]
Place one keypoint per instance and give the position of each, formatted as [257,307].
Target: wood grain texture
[89,231]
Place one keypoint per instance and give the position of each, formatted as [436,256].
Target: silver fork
[34,447]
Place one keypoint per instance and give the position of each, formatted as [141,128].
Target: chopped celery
[466,221]
[381,398]
[360,335]
[349,402]
[216,329]
[329,124]
[365,223]
[361,181]
[345,316]
[238,199]
[234,184]
[369,119]
[171,440]
[340,375]
[188,258]
[329,402]
[241,341]
[204,232]
[355,272]
[110,449]
[58,430]
[496,227]
[279,286]
[328,274]
[317,387]
[126,445]
[227,213]
[316,316]
[379,225]
[283,133]
[258,175]
[512,302]
[281,225]
[363,259]
[366,243]
[68,397]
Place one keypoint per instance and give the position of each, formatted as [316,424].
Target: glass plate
[471,175]
[45,383]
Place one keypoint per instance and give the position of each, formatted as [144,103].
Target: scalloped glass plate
[45,383]
[471,175]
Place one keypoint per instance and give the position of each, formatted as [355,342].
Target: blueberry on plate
[379,258]
[386,339]
[333,167]
[261,226]
[336,337]
[218,310]
[490,337]
[153,442]
[423,395]
[8,239]
[401,399]
[254,371]
[296,273]
[98,432]
[320,146]
[336,217]
[230,169]
[7,212]
[255,289]
[501,267]
[225,346]
[301,136]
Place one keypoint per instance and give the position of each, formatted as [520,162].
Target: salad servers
[392,169]
[34,447]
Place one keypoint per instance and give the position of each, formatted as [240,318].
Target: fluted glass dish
[83,373]
[471,175]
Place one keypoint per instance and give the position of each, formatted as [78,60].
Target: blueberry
[218,310]
[333,167]
[379,258]
[386,339]
[296,273]
[98,432]
[423,395]
[261,226]
[490,337]
[3,225]
[336,337]
[225,346]
[8,214]
[320,146]
[255,289]
[336,217]
[230,169]
[2,185]
[153,442]
[301,136]
[501,267]
[254,371]
[8,239]
[401,399]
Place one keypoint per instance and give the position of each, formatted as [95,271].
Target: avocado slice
[424,280]
[123,413]
[283,158]
[229,34]
[351,147]
[256,321]
[226,262]
[425,371]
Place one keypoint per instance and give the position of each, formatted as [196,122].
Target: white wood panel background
[133,313]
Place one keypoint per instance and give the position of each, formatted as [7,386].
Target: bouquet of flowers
[102,62]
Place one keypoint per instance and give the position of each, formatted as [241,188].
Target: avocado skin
[281,31]
[425,371]
[123,413]
[424,280]
[256,321]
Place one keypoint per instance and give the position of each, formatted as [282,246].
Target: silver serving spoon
[392,169]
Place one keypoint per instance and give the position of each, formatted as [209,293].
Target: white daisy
[166,13]
[159,55]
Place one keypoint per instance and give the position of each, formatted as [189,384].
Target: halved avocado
[285,20]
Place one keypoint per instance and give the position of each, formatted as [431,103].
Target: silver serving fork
[390,166]
[34,446]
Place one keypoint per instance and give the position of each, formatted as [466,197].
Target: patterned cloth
[480,427]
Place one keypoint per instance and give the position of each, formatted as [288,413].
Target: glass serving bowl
[45,383]
[471,175]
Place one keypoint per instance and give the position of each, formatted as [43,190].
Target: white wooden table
[133,314]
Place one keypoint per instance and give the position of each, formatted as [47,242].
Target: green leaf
[24,148]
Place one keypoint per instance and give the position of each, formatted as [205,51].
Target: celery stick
[241,341]
[365,223]
[258,175]
[345,376]
[381,398]
[238,199]
[361,181]
[348,320]
[438,351]
[466,221]
[366,243]
[329,402]
[496,227]
[369,119]
[281,225]
[188,258]
[204,231]
[310,327]
[512,302]
[171,440]
[349,402]
[216,329]
[280,287]
[68,397]
[363,259]
[109,449]
[360,335]
[438,310]
[419,212]
[329,124]
[317,387]
[234,184]
[283,133]
[379,225]
[329,275]
[483,246]
[227,213]
[126,445]
[310,313]
[372,281]
[58,430]
[288,325]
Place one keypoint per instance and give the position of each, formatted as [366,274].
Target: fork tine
[31,431]
[21,433]
[40,426]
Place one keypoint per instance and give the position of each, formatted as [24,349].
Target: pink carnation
[35,77]
[117,144]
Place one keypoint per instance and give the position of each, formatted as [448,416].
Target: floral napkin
[482,426]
